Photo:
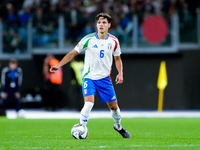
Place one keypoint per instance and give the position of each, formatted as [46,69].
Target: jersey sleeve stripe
[115,45]
[86,43]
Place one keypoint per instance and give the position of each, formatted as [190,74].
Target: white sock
[117,118]
[85,112]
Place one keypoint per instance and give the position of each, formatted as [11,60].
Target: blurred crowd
[79,17]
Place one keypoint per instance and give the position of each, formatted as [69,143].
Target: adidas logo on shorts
[113,97]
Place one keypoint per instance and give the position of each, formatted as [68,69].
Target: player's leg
[107,95]
[17,97]
[85,112]
[116,115]
[115,112]
[4,96]
[88,90]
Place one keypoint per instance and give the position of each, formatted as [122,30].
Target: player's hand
[53,69]
[17,95]
[119,79]
[4,95]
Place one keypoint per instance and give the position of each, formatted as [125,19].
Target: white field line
[32,114]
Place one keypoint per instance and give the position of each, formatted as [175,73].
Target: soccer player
[11,80]
[99,47]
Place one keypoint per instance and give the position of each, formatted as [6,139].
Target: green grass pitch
[147,133]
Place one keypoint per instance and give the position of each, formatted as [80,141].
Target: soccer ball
[79,131]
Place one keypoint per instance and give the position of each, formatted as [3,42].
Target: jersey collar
[99,38]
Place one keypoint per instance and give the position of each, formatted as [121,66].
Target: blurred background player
[11,80]
[75,90]
[99,47]
[53,81]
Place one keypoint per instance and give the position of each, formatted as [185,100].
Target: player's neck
[102,35]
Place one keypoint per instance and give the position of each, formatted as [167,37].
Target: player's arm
[118,63]
[64,61]
[46,66]
[20,78]
[18,87]
[3,78]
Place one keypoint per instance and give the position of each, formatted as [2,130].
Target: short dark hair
[13,61]
[104,15]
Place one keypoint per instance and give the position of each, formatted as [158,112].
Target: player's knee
[113,107]
[89,98]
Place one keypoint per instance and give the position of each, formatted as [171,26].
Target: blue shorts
[103,87]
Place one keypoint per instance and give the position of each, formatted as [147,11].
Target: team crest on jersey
[85,91]
[109,45]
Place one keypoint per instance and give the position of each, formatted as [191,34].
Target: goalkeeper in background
[11,80]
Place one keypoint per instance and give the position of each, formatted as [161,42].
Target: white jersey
[98,55]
